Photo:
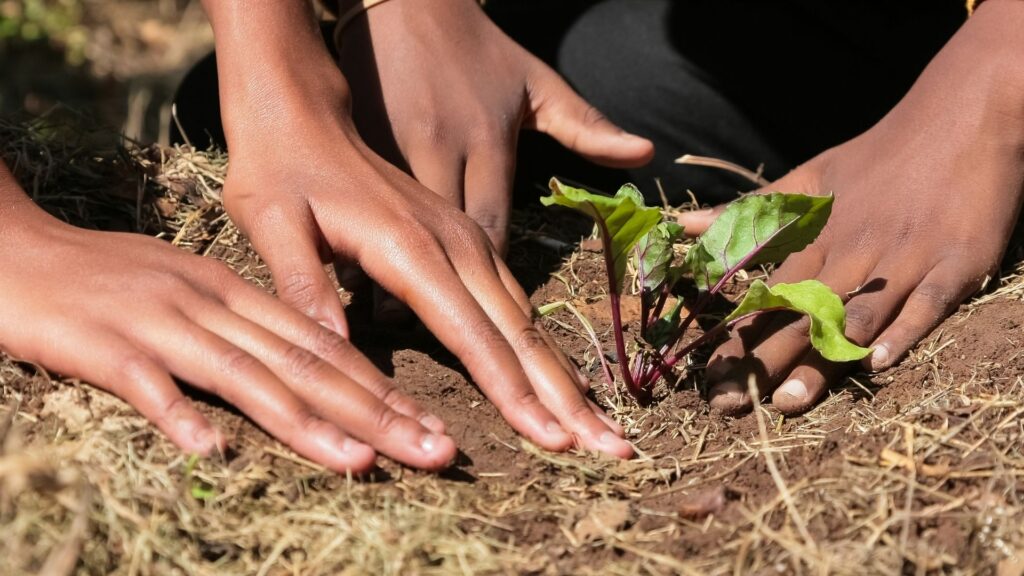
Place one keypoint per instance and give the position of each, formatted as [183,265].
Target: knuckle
[527,400]
[177,410]
[236,362]
[529,342]
[387,392]
[579,410]
[329,344]
[301,289]
[302,364]
[307,424]
[386,420]
[937,297]
[135,369]
[592,116]
[259,215]
[485,339]
[490,220]
[417,241]
[861,318]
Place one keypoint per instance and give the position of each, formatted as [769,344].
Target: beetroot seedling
[757,229]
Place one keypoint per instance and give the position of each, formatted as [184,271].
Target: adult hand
[440,90]
[925,204]
[316,193]
[127,312]
[305,189]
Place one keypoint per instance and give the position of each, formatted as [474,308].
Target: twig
[754,177]
[769,460]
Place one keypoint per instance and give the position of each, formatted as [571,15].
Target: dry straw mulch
[912,471]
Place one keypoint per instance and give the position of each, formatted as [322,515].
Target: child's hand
[438,88]
[305,189]
[925,205]
[126,313]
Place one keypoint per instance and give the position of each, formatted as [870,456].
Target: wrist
[972,92]
[274,69]
[992,39]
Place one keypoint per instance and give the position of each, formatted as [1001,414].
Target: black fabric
[751,81]
[770,82]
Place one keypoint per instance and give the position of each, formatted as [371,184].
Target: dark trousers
[770,82]
[750,81]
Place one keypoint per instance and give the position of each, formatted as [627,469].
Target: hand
[305,189]
[925,204]
[126,313]
[441,91]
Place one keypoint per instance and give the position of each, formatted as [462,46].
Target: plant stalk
[615,300]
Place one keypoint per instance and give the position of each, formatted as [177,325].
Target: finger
[769,346]
[440,171]
[935,298]
[558,389]
[697,222]
[116,365]
[523,301]
[257,307]
[289,243]
[213,364]
[615,426]
[868,312]
[489,176]
[441,301]
[800,180]
[332,394]
[557,110]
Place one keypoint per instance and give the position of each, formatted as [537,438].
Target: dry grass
[920,476]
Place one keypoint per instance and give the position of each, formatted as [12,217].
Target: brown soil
[913,470]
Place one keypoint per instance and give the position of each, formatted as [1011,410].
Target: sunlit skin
[306,190]
[924,201]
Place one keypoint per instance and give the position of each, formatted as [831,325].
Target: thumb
[288,243]
[696,222]
[804,179]
[558,111]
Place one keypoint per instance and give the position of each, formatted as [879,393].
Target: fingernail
[348,445]
[717,371]
[880,357]
[429,442]
[333,327]
[555,428]
[730,397]
[206,438]
[432,423]
[726,389]
[795,388]
[609,439]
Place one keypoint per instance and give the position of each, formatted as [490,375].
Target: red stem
[615,300]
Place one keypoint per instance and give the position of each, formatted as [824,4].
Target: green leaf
[200,491]
[816,300]
[655,254]
[623,218]
[663,332]
[756,229]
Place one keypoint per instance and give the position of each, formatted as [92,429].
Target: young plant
[757,229]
